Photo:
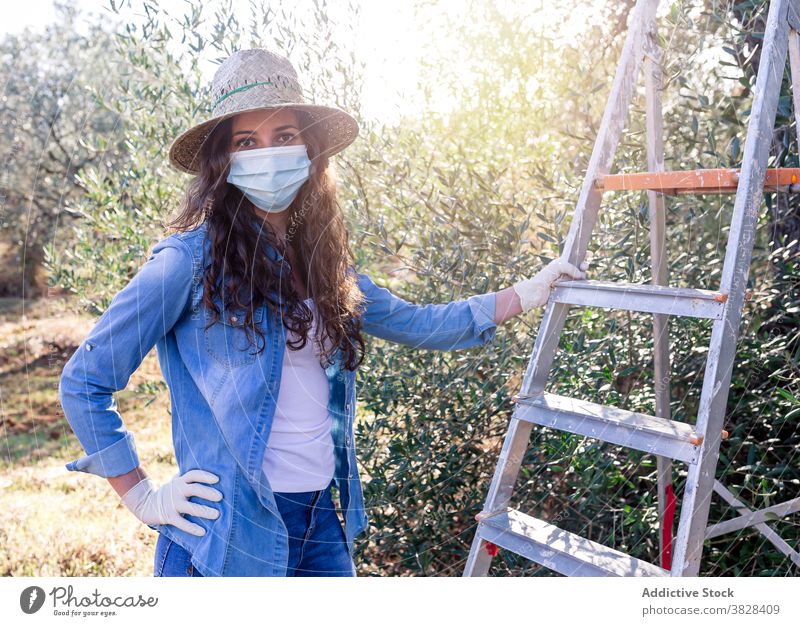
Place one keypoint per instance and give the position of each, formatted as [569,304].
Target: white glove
[165,505]
[535,291]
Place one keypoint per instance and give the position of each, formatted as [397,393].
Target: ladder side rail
[642,22]
[655,163]
[722,349]
[794,14]
[498,497]
[654,124]
[794,68]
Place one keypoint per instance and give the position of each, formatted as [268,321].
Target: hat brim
[340,130]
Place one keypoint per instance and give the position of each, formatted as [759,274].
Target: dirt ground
[54,522]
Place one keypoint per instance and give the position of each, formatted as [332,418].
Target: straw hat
[259,79]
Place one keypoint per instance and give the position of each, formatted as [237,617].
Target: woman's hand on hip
[168,503]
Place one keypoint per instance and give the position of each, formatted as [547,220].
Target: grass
[54,522]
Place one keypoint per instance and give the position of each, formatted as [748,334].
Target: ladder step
[697,181]
[664,437]
[640,297]
[559,550]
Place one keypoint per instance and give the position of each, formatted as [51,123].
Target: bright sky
[385,38]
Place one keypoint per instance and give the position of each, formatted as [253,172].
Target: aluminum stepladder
[694,444]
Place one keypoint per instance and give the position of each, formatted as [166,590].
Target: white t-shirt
[300,454]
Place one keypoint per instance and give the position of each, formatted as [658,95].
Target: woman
[256,311]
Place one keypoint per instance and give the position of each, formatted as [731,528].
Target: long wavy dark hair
[316,232]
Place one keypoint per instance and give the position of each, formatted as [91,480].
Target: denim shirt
[222,396]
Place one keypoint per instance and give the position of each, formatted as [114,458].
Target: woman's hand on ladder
[535,291]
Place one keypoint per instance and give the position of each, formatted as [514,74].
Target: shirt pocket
[227,340]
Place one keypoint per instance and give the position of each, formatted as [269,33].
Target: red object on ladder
[666,528]
[696,181]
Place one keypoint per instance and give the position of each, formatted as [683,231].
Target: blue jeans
[317,545]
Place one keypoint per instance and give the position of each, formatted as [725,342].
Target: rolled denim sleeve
[452,326]
[138,316]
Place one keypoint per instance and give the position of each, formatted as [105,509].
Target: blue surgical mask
[270,177]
